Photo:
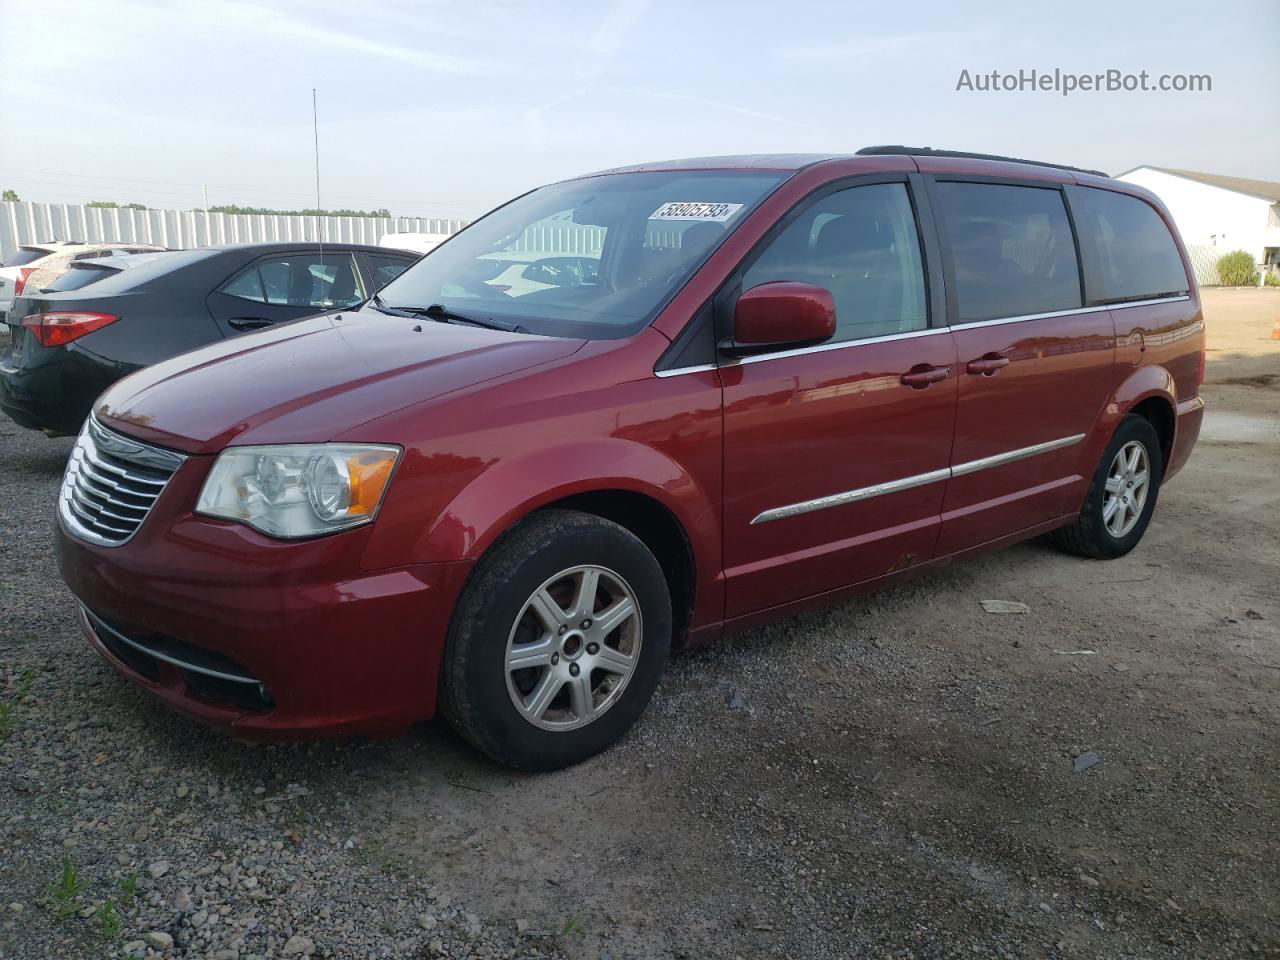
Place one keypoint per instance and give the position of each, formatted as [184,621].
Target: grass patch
[108,920]
[66,890]
[128,888]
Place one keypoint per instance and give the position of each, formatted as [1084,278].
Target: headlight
[294,491]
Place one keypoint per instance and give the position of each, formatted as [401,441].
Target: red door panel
[1037,408]
[823,423]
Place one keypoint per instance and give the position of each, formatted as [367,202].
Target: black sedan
[67,346]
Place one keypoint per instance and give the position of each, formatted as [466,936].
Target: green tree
[1236,269]
[9,196]
[105,204]
[311,212]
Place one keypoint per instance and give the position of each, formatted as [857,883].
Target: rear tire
[557,643]
[1122,494]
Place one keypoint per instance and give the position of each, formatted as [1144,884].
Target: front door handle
[249,323]
[923,374]
[986,366]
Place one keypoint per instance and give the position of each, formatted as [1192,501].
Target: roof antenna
[315,128]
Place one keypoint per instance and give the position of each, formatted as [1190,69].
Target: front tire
[1122,494]
[557,643]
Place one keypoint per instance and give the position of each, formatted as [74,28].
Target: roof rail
[899,150]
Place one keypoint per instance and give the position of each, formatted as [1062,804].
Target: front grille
[111,484]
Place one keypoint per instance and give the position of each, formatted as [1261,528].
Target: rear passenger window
[861,244]
[386,269]
[1135,253]
[299,280]
[1011,248]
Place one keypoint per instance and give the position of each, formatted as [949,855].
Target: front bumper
[308,644]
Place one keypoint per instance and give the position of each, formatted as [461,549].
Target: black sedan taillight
[59,329]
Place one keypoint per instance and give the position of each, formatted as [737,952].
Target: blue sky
[447,108]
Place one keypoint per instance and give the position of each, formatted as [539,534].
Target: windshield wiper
[438,311]
[442,314]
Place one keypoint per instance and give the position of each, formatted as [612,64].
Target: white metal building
[1226,213]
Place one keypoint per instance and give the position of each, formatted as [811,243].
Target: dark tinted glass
[860,244]
[1136,255]
[23,257]
[1012,250]
[79,277]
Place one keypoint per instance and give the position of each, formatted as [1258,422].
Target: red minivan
[724,389]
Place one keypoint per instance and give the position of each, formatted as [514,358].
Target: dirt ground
[889,778]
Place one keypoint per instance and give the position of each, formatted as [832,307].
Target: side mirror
[781,314]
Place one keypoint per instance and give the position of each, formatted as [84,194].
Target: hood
[313,380]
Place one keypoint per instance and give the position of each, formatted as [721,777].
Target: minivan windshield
[594,258]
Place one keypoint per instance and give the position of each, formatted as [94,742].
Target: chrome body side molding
[918,480]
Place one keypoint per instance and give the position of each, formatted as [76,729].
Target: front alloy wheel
[558,641]
[573,648]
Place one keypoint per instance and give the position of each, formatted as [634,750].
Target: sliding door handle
[986,366]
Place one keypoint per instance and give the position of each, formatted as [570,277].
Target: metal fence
[1204,262]
[41,222]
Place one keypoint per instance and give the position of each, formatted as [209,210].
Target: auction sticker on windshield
[685,210]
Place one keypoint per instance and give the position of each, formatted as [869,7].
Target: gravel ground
[895,777]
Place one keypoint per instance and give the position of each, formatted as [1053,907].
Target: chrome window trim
[97,623]
[918,480]
[681,371]
[973,324]
[911,334]
[841,345]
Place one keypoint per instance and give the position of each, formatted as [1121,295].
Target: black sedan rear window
[80,276]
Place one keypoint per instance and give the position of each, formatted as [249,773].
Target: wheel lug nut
[586,624]
[593,648]
[555,658]
[574,670]
[563,630]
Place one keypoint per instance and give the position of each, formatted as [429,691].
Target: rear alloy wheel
[1121,495]
[1125,492]
[558,641]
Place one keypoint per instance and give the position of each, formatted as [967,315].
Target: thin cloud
[724,107]
[297,28]
[859,48]
[599,52]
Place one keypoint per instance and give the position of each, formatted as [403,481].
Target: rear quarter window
[1135,254]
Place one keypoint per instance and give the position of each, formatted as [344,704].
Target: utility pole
[208,227]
